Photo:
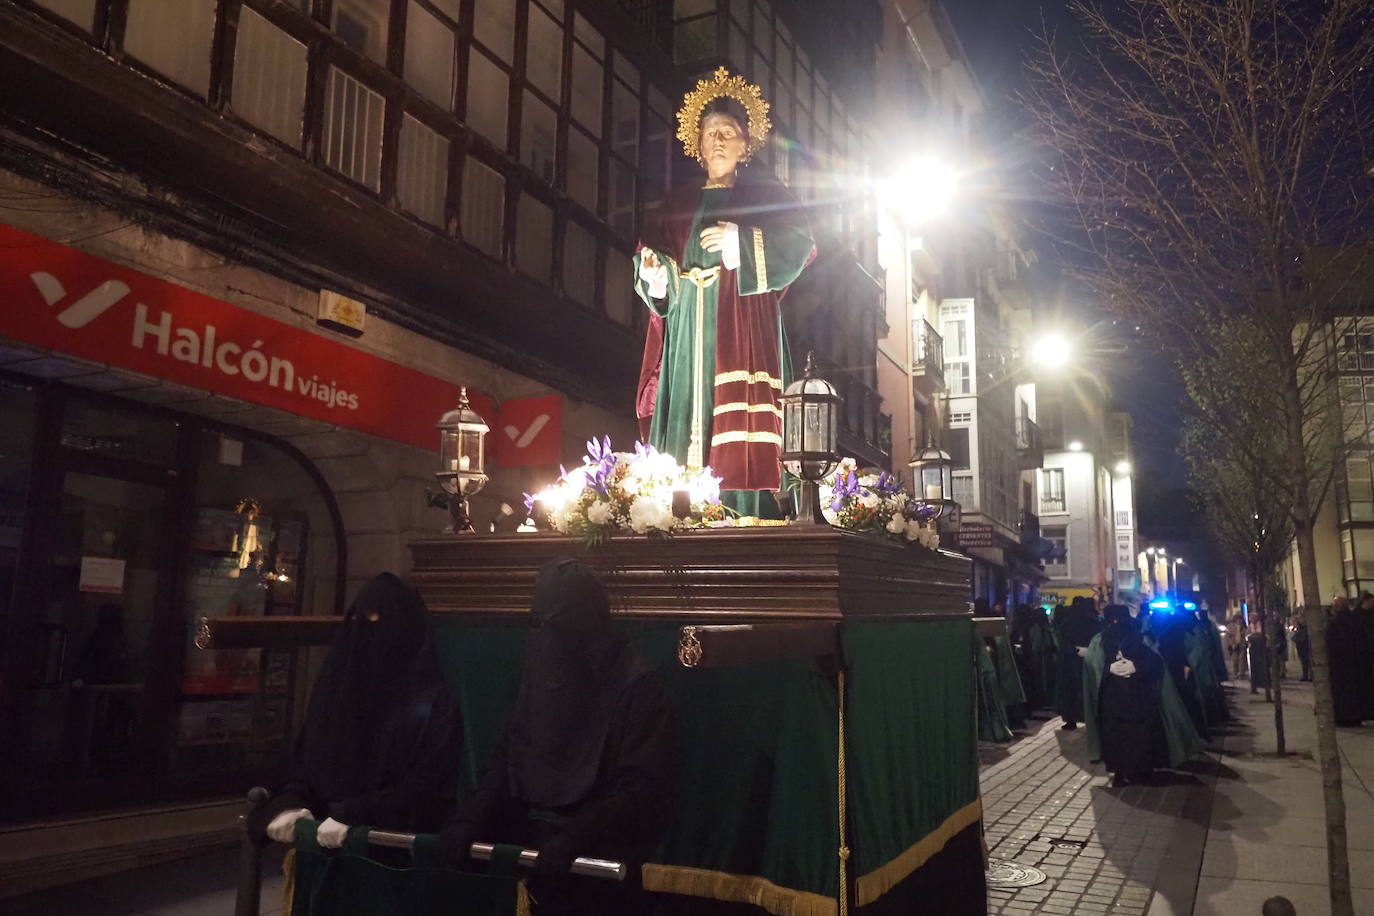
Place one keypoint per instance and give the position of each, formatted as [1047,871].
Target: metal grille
[422,171]
[269,78]
[353,129]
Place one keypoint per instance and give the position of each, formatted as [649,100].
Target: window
[582,169]
[422,171]
[538,137]
[488,98]
[534,238]
[956,443]
[587,82]
[174,39]
[622,199]
[429,56]
[620,295]
[959,378]
[493,24]
[269,78]
[77,12]
[1360,488]
[1123,519]
[1052,497]
[579,264]
[1125,558]
[484,207]
[1057,561]
[544,61]
[960,417]
[362,26]
[353,129]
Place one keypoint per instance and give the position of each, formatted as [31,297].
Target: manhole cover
[1002,873]
[1066,843]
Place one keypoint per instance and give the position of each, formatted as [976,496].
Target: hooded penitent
[577,669]
[380,740]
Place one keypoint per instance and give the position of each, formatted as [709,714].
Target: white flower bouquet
[876,502]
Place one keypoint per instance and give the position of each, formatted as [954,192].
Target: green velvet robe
[715,358]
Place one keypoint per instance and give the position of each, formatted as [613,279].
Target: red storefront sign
[72,302]
[528,432]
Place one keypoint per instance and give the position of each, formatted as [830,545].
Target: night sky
[997,35]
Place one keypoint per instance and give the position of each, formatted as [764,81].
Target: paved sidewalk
[1235,828]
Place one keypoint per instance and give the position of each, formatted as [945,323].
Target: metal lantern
[932,472]
[810,423]
[462,462]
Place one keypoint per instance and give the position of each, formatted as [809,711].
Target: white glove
[331,834]
[729,249]
[1081,650]
[654,274]
[1122,667]
[283,826]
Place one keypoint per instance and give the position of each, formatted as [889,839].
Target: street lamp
[920,190]
[1075,446]
[1123,467]
[462,460]
[1051,351]
[810,430]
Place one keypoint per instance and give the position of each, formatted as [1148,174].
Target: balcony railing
[929,358]
[1030,449]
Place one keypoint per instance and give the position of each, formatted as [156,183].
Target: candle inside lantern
[464,462]
[932,491]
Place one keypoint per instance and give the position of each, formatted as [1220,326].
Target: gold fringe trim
[734,406]
[749,378]
[760,268]
[288,890]
[522,899]
[741,436]
[719,885]
[884,878]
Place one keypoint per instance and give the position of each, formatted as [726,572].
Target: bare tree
[1210,156]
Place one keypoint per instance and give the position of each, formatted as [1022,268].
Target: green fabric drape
[912,757]
[1008,678]
[992,714]
[347,882]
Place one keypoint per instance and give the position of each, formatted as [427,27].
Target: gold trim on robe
[760,267]
[884,878]
[752,378]
[745,405]
[742,436]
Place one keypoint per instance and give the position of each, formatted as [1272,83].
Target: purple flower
[887,484]
[529,503]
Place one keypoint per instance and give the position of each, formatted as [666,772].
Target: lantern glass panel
[470,451]
[792,426]
[932,486]
[448,449]
[815,428]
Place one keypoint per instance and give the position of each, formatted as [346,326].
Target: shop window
[422,171]
[269,78]
[538,137]
[484,207]
[587,85]
[534,238]
[544,58]
[579,264]
[582,169]
[362,26]
[77,12]
[125,434]
[263,544]
[17,420]
[620,295]
[353,129]
[493,24]
[174,39]
[488,99]
[429,56]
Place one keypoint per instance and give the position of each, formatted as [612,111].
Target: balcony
[928,360]
[1030,527]
[1030,450]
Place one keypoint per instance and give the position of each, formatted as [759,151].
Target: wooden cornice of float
[723,575]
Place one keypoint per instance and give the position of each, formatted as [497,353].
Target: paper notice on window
[102,574]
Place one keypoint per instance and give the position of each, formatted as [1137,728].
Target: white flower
[646,513]
[599,512]
[870,500]
[896,524]
[913,530]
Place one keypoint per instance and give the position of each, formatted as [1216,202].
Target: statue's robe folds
[715,356]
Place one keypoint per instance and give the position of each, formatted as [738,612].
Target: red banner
[528,432]
[72,302]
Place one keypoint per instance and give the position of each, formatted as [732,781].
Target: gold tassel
[841,784]
[522,899]
[288,870]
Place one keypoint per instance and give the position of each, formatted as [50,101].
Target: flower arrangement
[612,492]
[876,503]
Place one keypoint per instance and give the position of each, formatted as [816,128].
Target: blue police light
[1189,606]
[1159,604]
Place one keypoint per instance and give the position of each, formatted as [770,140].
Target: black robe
[1076,626]
[380,742]
[1033,644]
[1349,662]
[1171,633]
[586,766]
[1128,713]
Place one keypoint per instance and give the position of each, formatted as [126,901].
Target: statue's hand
[649,259]
[713,237]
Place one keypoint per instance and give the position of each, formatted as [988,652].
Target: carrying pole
[250,861]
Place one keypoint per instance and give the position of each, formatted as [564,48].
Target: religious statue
[713,265]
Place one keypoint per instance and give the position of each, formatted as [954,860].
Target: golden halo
[723,85]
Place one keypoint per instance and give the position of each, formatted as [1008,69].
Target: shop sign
[101,574]
[529,432]
[72,302]
[975,534]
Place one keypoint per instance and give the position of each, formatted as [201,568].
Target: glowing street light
[1123,467]
[1075,446]
[921,190]
[1052,351]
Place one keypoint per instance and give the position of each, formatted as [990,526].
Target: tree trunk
[1328,753]
[1275,668]
[1266,659]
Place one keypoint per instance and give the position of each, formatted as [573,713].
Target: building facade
[192,195]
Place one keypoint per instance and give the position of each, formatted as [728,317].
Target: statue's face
[722,144]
